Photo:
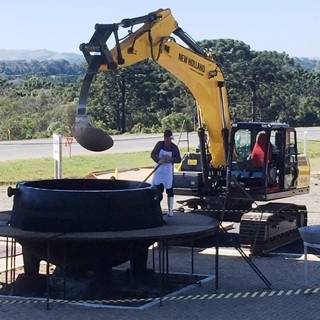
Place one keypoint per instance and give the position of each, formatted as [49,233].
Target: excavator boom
[193,65]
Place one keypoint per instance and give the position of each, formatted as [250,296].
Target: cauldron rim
[41,185]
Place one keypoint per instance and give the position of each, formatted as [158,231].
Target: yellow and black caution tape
[178,298]
[241,295]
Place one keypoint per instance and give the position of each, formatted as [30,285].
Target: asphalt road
[29,149]
[42,148]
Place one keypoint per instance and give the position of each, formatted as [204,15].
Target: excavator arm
[191,64]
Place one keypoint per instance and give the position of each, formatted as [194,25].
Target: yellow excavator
[231,173]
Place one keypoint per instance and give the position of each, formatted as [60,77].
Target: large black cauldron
[85,205]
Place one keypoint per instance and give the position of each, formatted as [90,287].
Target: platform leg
[47,274]
[305,265]
[217,267]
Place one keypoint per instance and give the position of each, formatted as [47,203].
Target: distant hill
[40,55]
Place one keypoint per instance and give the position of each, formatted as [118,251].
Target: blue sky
[291,26]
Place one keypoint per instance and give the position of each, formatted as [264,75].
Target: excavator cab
[263,162]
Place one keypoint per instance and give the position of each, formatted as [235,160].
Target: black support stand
[246,258]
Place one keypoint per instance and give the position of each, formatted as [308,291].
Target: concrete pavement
[241,293]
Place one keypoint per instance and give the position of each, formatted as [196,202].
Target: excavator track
[271,226]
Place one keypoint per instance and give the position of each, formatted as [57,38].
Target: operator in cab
[165,153]
[261,147]
[259,150]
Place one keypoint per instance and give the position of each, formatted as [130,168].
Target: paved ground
[241,293]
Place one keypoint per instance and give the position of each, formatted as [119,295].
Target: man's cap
[168,133]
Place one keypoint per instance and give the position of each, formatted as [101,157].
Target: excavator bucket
[89,137]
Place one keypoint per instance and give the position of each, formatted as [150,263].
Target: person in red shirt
[259,150]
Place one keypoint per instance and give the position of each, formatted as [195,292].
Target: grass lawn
[80,166]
